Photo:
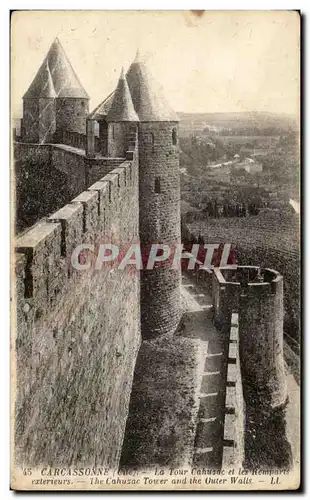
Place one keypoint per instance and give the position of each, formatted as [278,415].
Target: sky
[218,61]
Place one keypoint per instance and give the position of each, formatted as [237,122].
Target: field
[261,140]
[271,229]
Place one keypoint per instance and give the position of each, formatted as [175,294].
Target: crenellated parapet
[47,246]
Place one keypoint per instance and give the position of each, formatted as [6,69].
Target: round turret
[55,81]
[121,119]
[72,103]
[159,199]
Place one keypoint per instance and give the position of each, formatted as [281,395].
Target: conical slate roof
[64,79]
[101,111]
[122,109]
[147,95]
[43,86]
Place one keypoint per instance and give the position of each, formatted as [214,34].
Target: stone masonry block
[230,397]
[102,188]
[112,179]
[42,247]
[229,427]
[71,218]
[90,202]
[228,457]
[121,176]
[231,373]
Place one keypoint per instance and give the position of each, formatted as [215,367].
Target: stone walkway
[214,347]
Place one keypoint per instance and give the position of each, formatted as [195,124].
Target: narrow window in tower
[113,132]
[152,141]
[174,137]
[157,184]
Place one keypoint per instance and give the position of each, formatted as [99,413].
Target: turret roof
[122,109]
[63,80]
[147,95]
[101,111]
[44,85]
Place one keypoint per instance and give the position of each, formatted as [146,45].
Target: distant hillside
[238,120]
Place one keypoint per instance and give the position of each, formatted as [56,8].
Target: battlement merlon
[248,278]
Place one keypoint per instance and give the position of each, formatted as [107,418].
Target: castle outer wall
[77,332]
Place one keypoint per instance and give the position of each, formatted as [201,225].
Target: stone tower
[121,119]
[55,80]
[159,199]
[261,341]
